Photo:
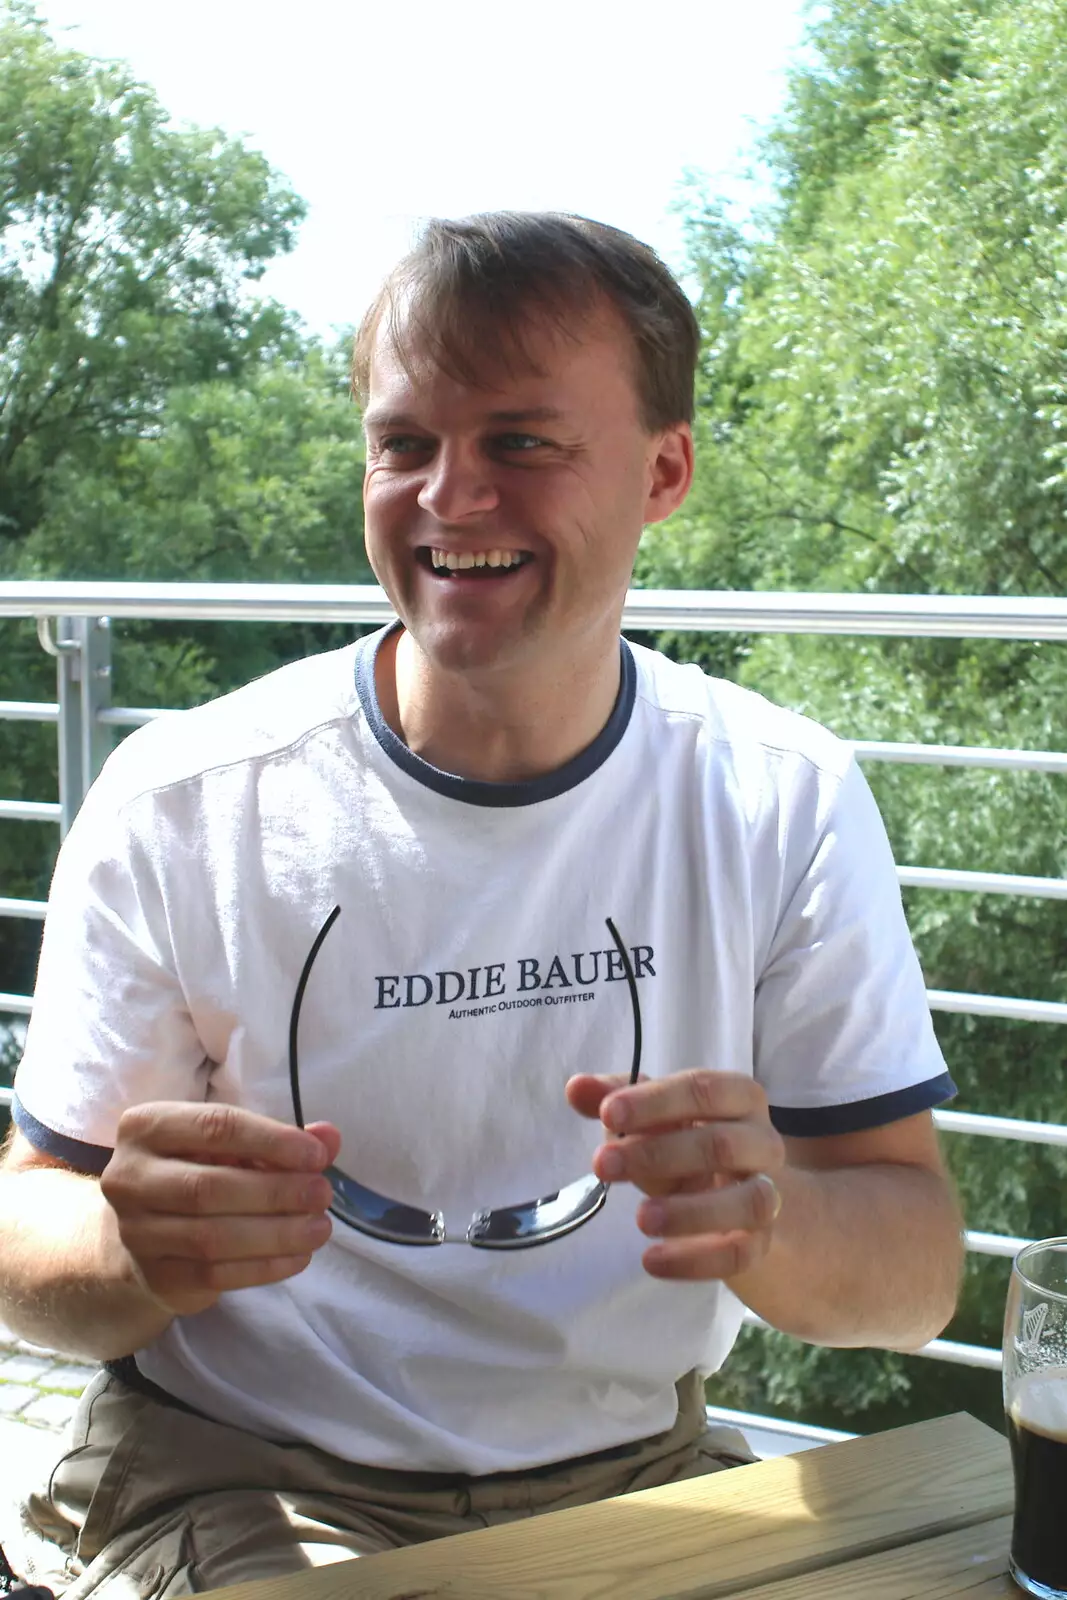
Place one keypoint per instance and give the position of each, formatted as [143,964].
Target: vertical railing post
[68,693]
[82,648]
[94,637]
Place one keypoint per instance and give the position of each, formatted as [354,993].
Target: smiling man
[439,1043]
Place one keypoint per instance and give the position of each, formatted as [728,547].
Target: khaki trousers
[152,1500]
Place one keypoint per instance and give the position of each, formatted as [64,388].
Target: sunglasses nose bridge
[451,1238]
[479,1225]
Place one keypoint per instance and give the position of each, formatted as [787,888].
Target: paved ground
[38,1393]
[38,1389]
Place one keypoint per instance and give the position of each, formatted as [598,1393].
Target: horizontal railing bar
[961,755]
[23,908]
[966,1122]
[866,749]
[916,616]
[130,716]
[688,610]
[978,1005]
[994,1244]
[995,1005]
[982,882]
[962,1355]
[931,754]
[988,1244]
[28,711]
[972,1122]
[20,1004]
[777,1425]
[31,810]
[967,1355]
[975,1005]
[200,602]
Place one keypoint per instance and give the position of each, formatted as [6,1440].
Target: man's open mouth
[471,563]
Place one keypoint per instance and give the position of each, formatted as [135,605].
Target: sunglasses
[518,1227]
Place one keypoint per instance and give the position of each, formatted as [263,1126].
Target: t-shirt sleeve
[110,1027]
[843,1036]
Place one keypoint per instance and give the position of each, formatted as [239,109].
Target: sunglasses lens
[538,1221]
[381,1217]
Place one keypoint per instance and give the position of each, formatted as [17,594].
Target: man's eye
[518,441]
[402,444]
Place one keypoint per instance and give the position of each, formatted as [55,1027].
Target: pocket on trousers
[147,1563]
[172,1571]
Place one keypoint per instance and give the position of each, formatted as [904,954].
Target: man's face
[502,521]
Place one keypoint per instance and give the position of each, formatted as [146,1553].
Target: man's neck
[498,727]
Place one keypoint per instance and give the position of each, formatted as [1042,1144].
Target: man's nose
[458,484]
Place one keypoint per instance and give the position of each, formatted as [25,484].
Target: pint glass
[1035,1399]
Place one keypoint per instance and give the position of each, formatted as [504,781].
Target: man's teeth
[460,561]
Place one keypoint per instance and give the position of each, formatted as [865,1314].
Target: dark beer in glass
[1035,1399]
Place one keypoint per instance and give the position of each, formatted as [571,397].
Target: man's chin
[455,648]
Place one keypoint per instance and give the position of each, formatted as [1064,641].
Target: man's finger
[177,1280]
[697,1154]
[747,1206]
[328,1136]
[149,1238]
[189,1189]
[705,1257]
[215,1131]
[698,1096]
[586,1092]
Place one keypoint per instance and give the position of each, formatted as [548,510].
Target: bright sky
[382,114]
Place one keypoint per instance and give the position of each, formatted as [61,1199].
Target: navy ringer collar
[474,791]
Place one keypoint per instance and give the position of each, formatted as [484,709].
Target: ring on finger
[776,1193]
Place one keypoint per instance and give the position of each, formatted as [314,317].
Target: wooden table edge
[382,1574]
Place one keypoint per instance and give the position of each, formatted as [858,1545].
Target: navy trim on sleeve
[476,792]
[91,1158]
[809,1122]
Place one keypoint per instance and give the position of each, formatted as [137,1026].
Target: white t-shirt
[736,847]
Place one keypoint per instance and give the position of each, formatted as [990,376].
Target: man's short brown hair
[470,289]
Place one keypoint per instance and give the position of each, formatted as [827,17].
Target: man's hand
[701,1146]
[867,1250]
[212,1197]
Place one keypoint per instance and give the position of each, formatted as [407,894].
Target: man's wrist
[844,1266]
[148,1316]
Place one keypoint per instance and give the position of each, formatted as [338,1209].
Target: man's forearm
[866,1255]
[66,1280]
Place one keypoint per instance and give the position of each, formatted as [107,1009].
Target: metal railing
[80,640]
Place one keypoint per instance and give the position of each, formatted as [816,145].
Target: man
[385,936]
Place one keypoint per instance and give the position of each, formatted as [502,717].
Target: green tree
[157,419]
[126,249]
[882,408]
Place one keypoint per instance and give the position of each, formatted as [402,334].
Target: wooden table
[922,1511]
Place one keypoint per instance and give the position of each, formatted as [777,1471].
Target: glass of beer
[1035,1399]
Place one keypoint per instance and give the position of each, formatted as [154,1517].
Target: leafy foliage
[157,420]
[126,248]
[883,409]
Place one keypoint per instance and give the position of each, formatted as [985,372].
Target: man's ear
[671,473]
